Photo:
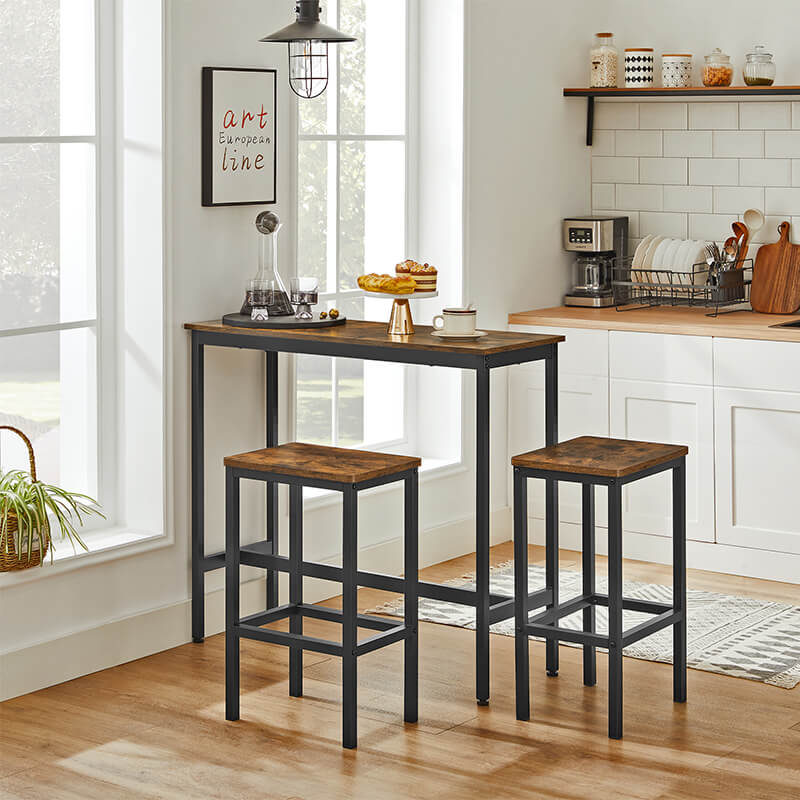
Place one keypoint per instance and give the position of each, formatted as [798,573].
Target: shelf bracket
[589,119]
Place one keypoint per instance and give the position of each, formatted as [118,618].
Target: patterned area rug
[737,636]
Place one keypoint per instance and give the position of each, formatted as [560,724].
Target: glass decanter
[266,290]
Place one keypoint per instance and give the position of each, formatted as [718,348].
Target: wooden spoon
[742,235]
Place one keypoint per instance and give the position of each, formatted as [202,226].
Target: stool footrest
[566,634]
[502,609]
[650,626]
[390,630]
[634,604]
[563,610]
[396,634]
[289,639]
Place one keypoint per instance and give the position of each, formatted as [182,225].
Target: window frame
[409,138]
[106,243]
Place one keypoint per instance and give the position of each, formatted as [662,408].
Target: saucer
[443,335]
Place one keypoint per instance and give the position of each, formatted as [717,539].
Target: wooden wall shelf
[660,91]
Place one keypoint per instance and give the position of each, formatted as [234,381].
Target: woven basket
[8,554]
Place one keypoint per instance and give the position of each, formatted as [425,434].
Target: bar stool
[348,472]
[592,462]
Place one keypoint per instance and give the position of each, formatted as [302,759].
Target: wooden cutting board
[776,276]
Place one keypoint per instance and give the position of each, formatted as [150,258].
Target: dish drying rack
[640,287]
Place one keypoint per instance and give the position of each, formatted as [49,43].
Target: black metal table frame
[489,608]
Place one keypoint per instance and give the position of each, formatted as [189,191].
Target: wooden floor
[155,728]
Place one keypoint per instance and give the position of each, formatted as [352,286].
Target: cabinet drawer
[664,358]
[767,366]
[584,353]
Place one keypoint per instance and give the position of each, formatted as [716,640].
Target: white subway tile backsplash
[613,169]
[616,116]
[765,172]
[603,195]
[765,116]
[782,144]
[687,144]
[603,143]
[782,201]
[662,224]
[639,143]
[645,198]
[688,198]
[662,116]
[690,170]
[738,144]
[711,227]
[714,171]
[663,170]
[713,116]
[737,199]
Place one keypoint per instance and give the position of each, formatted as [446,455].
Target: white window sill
[432,468]
[104,545]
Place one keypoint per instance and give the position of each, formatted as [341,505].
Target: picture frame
[239,134]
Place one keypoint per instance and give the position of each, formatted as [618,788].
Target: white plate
[647,262]
[659,256]
[680,257]
[443,335]
[671,252]
[638,256]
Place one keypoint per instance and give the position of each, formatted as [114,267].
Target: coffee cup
[456,321]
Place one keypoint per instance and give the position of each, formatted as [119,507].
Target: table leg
[679,580]
[482,537]
[198,492]
[272,488]
[551,499]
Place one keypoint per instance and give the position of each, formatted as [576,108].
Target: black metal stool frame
[260,555]
[545,625]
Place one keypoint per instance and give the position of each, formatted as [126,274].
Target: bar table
[370,341]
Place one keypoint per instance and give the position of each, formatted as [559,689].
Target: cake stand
[400,322]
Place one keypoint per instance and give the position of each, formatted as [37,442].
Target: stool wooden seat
[311,461]
[596,456]
[348,472]
[593,461]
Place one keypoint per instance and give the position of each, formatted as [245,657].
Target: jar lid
[676,55]
[717,55]
[604,35]
[638,49]
[759,54]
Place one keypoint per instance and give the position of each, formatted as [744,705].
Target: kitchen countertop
[664,319]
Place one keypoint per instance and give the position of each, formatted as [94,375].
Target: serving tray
[281,323]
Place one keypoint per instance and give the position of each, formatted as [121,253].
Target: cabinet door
[582,411]
[674,414]
[758,484]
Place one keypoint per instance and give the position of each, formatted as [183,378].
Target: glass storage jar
[759,68]
[717,71]
[604,60]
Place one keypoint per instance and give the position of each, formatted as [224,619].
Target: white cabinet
[582,410]
[674,414]
[757,410]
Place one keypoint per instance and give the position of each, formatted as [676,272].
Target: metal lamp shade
[308,40]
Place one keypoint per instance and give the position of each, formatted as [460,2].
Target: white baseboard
[118,641]
[745,561]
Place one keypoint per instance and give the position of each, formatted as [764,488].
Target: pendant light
[308,41]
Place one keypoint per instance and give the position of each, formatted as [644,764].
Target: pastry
[424,274]
[386,284]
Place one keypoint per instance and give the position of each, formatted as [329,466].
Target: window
[51,226]
[353,195]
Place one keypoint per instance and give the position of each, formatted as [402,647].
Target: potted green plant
[28,509]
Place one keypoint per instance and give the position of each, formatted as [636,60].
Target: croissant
[387,284]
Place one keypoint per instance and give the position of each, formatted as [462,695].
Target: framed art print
[239,163]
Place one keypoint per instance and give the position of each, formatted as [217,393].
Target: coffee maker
[600,244]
